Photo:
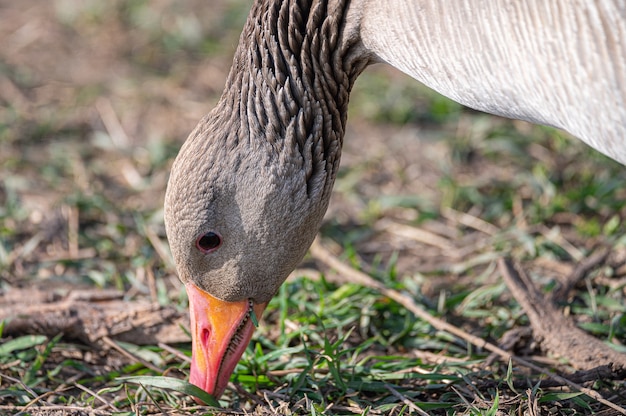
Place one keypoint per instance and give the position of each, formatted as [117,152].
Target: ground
[466,261]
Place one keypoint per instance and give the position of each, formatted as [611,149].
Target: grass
[92,113]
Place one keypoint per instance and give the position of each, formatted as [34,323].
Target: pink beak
[220,333]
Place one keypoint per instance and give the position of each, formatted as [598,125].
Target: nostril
[205,336]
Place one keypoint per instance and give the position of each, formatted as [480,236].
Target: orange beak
[220,333]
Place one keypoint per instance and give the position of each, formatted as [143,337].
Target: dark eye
[208,242]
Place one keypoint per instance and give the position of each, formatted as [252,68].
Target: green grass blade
[175,384]
[255,320]
[558,397]
[21,343]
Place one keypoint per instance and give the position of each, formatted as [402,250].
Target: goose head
[240,214]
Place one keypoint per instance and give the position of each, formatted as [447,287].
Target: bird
[249,188]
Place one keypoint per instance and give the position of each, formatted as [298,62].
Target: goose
[250,186]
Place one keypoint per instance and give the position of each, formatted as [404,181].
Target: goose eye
[208,242]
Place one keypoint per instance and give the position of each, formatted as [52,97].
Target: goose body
[251,184]
[561,62]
